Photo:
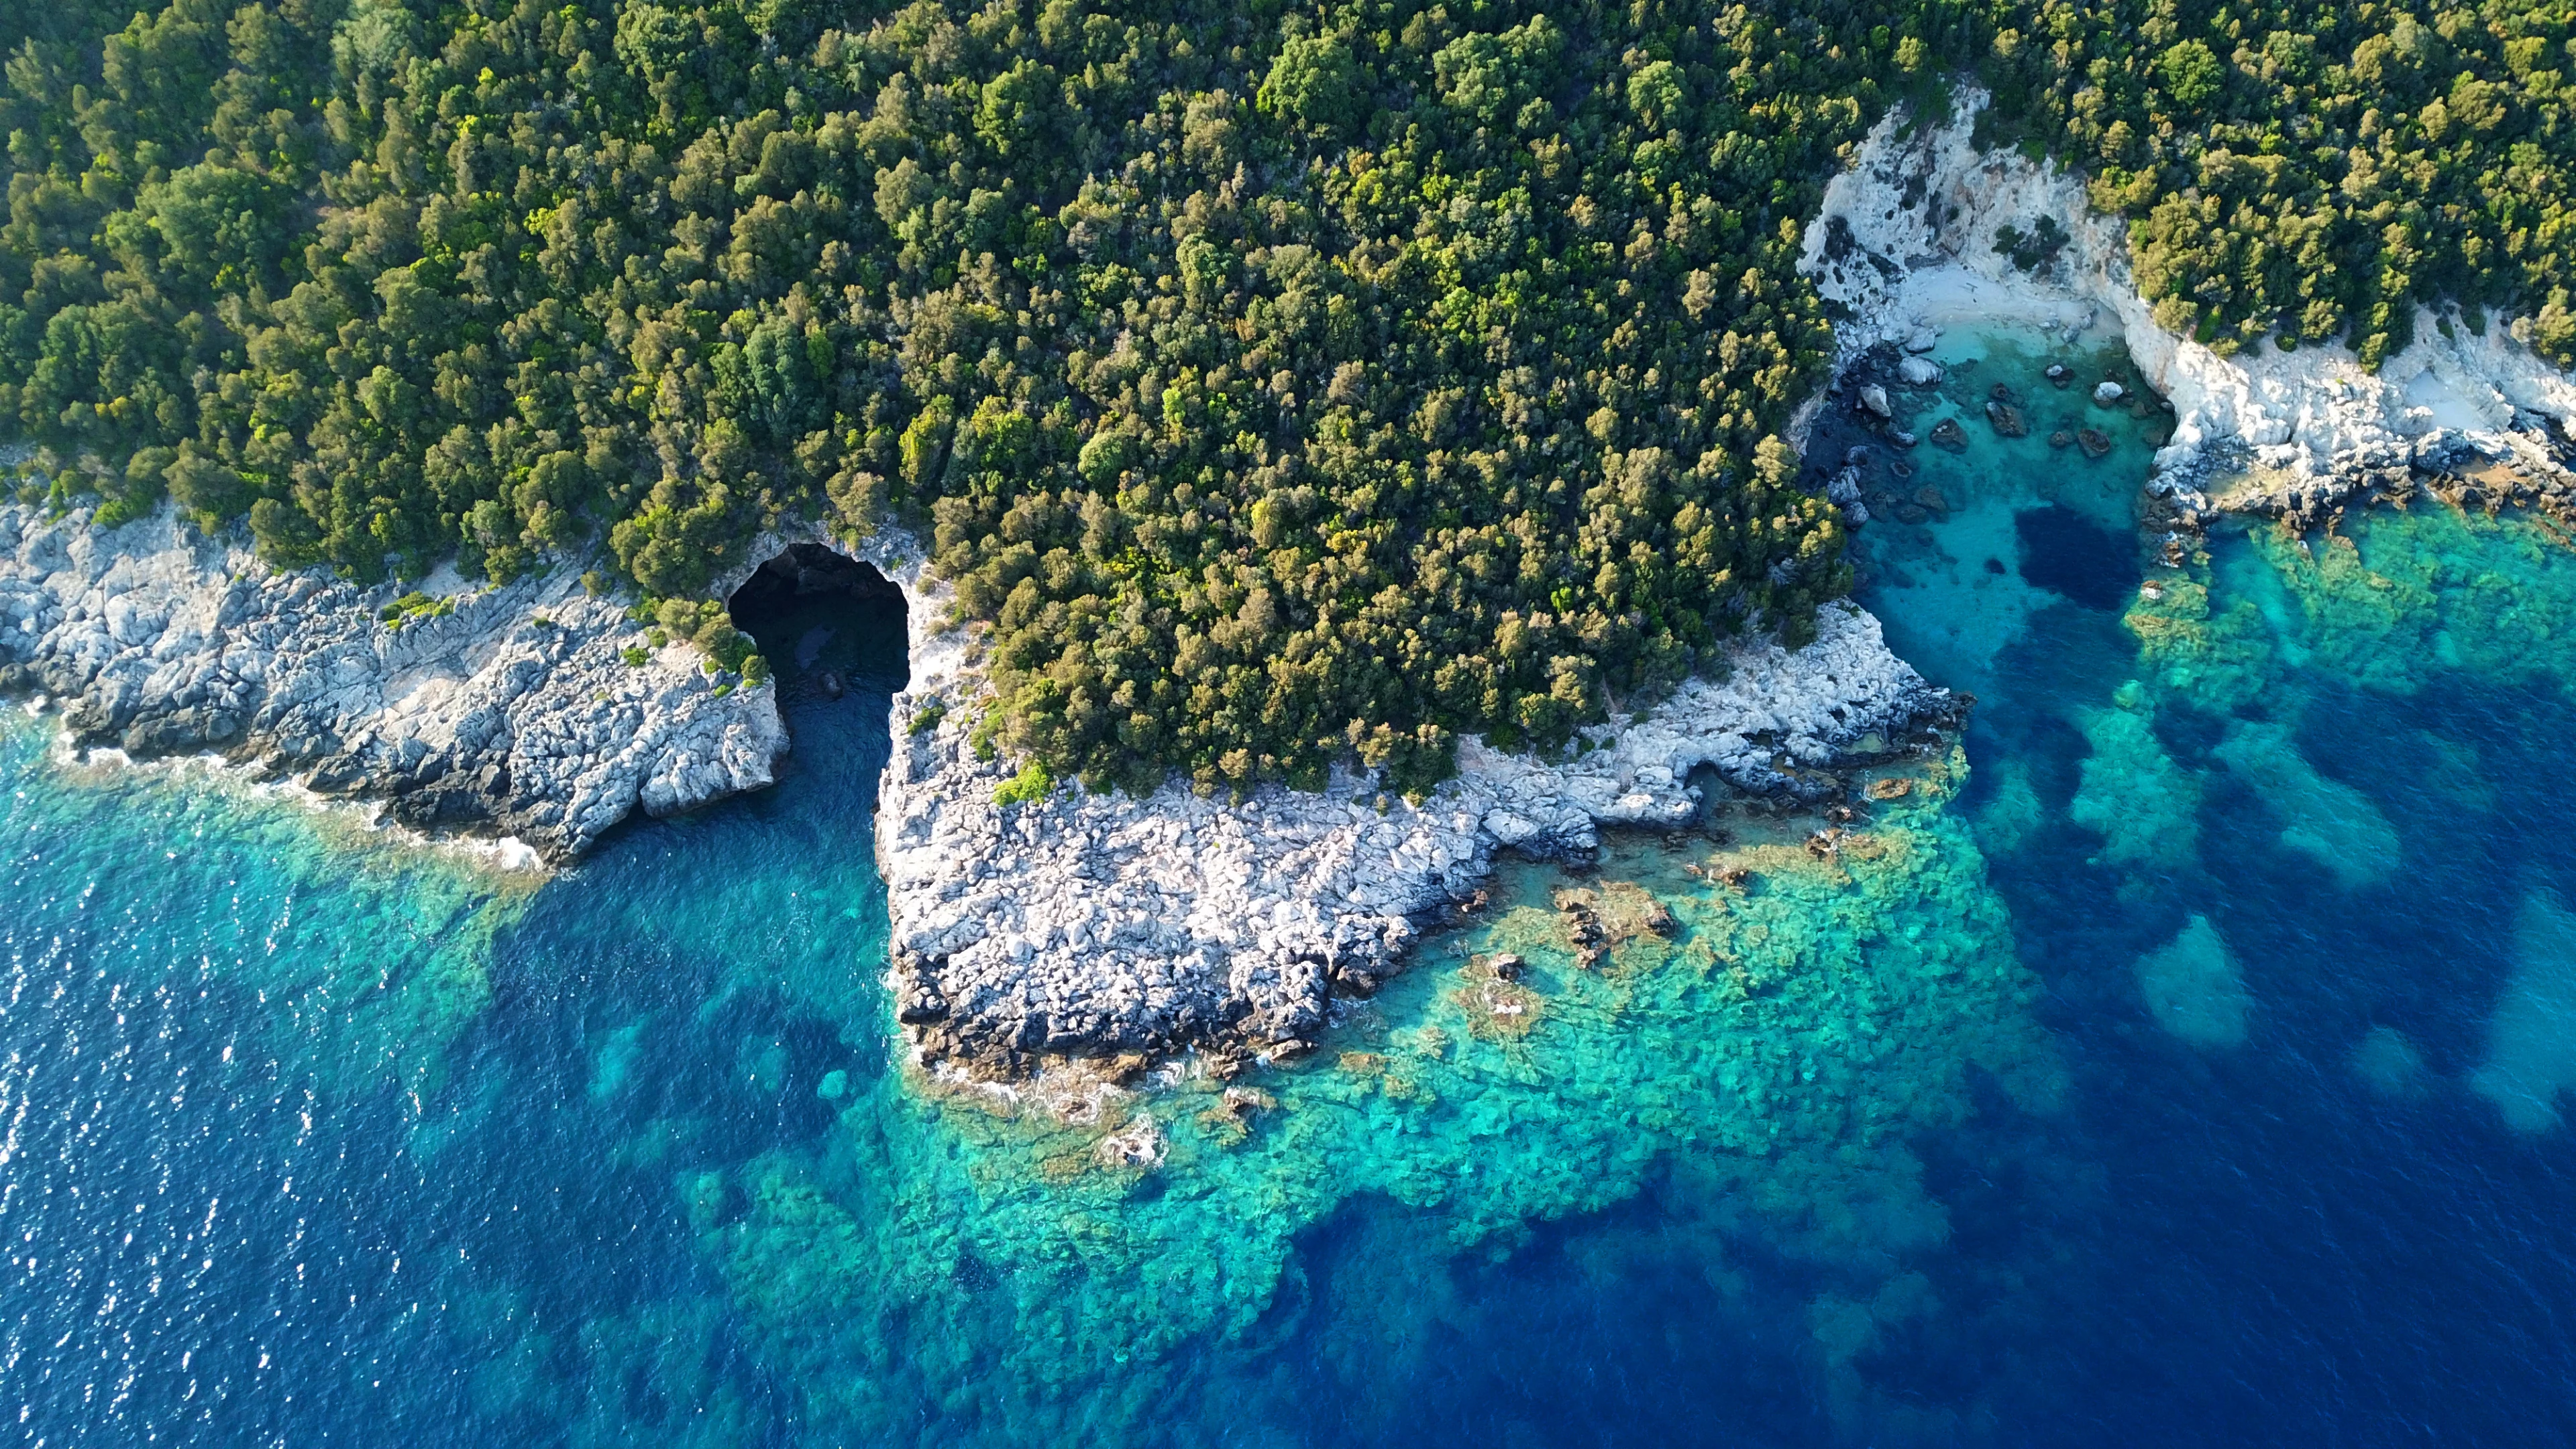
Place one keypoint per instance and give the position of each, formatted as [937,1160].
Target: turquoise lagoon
[2179,1060]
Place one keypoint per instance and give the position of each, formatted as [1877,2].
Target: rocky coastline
[1102,927]
[1123,931]
[530,710]
[1106,926]
[1906,242]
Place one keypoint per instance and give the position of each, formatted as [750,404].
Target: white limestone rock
[514,714]
[1905,239]
[1089,924]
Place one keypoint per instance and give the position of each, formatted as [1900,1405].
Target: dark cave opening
[828,624]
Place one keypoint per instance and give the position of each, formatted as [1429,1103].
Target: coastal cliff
[1916,234]
[528,709]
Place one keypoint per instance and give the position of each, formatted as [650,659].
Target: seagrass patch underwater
[2180,1060]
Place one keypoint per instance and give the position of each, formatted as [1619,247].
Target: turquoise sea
[2178,1062]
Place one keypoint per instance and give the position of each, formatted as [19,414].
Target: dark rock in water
[2061,439]
[1901,470]
[2059,374]
[1908,513]
[1948,434]
[2007,420]
[1903,438]
[1856,454]
[2094,441]
[2000,393]
[831,685]
[2069,554]
[337,775]
[1932,498]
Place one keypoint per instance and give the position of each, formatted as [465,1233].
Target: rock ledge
[513,713]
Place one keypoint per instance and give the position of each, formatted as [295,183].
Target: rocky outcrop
[496,711]
[1906,240]
[1089,924]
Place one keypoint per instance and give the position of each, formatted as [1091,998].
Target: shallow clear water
[2177,1063]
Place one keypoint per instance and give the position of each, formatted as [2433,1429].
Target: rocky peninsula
[1083,924]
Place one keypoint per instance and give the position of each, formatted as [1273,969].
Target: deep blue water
[2186,1075]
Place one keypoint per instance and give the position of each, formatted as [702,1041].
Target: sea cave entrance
[831,627]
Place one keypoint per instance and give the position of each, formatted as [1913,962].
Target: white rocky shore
[1087,924]
[1906,240]
[514,713]
[1078,924]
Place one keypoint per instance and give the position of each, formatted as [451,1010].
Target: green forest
[1280,382]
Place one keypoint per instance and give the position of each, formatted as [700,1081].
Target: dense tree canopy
[2315,170]
[1281,381]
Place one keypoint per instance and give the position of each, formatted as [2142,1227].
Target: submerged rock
[2007,420]
[1948,434]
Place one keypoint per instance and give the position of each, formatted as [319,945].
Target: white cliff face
[1089,923]
[1906,239]
[517,713]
